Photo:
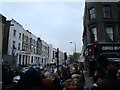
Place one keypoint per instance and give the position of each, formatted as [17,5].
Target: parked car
[7,74]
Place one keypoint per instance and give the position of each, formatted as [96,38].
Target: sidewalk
[88,81]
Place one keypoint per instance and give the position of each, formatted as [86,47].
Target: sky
[57,23]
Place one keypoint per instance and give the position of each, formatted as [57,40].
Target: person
[65,73]
[56,81]
[46,73]
[72,86]
[96,79]
[118,77]
[81,80]
[110,82]
[31,79]
[47,84]
[118,74]
[73,72]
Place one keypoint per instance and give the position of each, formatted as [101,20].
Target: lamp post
[75,46]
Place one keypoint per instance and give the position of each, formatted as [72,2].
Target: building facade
[12,42]
[22,48]
[61,57]
[2,29]
[45,52]
[101,35]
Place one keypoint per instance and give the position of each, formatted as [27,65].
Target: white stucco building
[15,38]
[61,57]
[45,53]
[50,58]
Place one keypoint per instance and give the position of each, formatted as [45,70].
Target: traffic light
[65,56]
[56,54]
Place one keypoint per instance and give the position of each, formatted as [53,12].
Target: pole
[58,59]
[75,46]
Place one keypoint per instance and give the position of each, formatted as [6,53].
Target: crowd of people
[110,80]
[63,78]
[68,77]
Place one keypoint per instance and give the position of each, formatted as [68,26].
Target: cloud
[55,22]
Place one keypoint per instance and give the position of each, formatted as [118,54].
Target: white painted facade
[45,53]
[54,58]
[29,56]
[61,57]
[23,44]
[15,37]
[50,59]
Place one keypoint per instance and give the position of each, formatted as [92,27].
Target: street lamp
[75,45]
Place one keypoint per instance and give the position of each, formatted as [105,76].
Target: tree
[74,57]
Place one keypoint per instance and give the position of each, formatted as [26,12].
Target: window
[32,59]
[18,46]
[94,32]
[42,60]
[19,35]
[107,11]
[14,33]
[14,45]
[23,37]
[19,59]
[109,31]
[92,13]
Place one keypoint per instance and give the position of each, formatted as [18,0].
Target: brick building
[101,35]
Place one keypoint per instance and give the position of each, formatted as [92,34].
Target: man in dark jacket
[110,82]
[32,78]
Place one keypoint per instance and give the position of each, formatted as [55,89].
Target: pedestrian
[118,77]
[118,74]
[46,73]
[31,79]
[57,82]
[110,82]
[72,86]
[96,79]
[65,73]
[47,84]
[81,80]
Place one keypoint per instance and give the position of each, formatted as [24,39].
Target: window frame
[13,45]
[14,32]
[92,13]
[20,35]
[19,46]
[107,11]
[110,34]
[95,33]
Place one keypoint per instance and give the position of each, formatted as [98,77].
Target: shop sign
[116,48]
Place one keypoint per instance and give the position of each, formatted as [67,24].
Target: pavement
[88,81]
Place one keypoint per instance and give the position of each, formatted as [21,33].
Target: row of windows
[14,45]
[24,62]
[29,40]
[106,12]
[109,32]
[14,34]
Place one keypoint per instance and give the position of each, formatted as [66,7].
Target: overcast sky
[57,23]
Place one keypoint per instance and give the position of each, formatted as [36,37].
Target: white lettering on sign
[110,47]
[117,48]
[107,48]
